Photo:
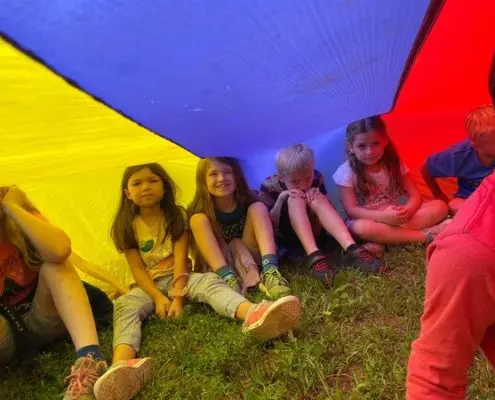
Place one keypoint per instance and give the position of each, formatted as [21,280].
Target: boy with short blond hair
[470,161]
[303,214]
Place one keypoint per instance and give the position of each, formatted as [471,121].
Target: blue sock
[92,349]
[225,271]
[269,261]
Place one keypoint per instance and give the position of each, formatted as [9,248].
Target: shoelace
[81,379]
[321,266]
[274,278]
[365,255]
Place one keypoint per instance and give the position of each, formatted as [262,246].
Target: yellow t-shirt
[155,251]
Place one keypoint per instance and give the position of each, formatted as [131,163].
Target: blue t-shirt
[462,162]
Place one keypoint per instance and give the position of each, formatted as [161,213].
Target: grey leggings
[132,308]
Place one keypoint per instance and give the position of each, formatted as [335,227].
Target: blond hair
[294,158]
[481,122]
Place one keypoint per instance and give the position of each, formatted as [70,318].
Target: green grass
[353,343]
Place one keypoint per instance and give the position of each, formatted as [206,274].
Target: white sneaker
[123,380]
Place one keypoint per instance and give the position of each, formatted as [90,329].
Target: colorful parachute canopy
[228,77]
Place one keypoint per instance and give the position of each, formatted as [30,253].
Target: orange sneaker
[270,319]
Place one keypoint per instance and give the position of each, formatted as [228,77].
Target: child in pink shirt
[459,309]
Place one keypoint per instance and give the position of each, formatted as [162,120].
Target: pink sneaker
[270,319]
[82,378]
[124,379]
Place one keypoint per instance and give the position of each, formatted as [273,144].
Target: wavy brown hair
[14,235]
[390,159]
[122,231]
[203,201]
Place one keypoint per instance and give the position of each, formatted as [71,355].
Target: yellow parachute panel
[67,151]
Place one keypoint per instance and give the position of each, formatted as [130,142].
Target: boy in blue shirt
[470,161]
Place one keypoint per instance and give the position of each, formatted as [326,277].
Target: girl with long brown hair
[232,229]
[381,200]
[150,229]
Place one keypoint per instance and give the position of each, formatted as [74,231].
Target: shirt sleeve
[269,192]
[444,164]
[344,176]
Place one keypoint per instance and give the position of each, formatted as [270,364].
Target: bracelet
[178,277]
[178,292]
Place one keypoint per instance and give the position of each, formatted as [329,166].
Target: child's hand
[162,306]
[393,217]
[177,308]
[294,193]
[405,212]
[14,195]
[312,194]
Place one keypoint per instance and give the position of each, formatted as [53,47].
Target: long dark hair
[122,231]
[203,200]
[390,159]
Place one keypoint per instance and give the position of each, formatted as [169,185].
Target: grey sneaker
[83,376]
[273,284]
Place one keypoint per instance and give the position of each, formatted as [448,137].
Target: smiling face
[369,147]
[220,180]
[145,188]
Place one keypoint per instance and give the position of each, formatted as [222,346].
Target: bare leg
[207,242]
[429,214]
[378,232]
[301,224]
[60,291]
[258,231]
[331,221]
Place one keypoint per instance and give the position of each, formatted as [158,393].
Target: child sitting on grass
[470,161]
[382,202]
[150,229]
[303,215]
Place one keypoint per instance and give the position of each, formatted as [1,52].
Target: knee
[441,209]
[199,221]
[257,208]
[320,201]
[124,306]
[210,278]
[361,227]
[48,268]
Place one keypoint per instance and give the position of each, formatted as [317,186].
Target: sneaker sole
[123,382]
[281,316]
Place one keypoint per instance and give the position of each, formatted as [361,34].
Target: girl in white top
[381,200]
[150,229]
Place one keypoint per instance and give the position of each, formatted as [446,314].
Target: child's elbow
[62,252]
